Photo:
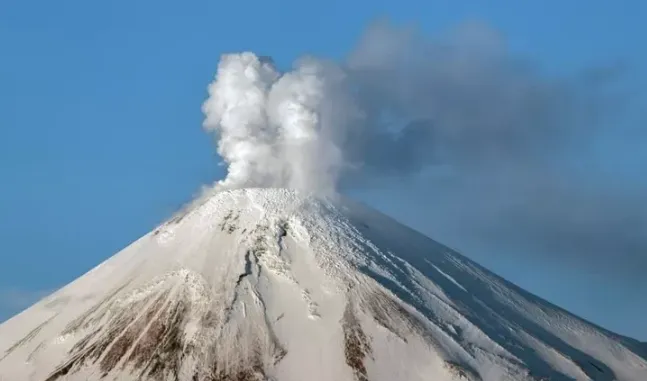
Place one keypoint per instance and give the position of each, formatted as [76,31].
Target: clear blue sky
[100,135]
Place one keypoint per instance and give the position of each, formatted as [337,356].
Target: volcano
[273,284]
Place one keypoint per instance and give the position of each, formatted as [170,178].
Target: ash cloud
[512,151]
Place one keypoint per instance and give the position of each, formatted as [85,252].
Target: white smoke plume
[278,129]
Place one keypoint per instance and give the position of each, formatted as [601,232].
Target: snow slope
[269,284]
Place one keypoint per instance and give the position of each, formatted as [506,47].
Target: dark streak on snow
[27,338]
[356,344]
[153,339]
[283,229]
[392,315]
[461,371]
[283,232]
[228,223]
[248,268]
[254,371]
[89,317]
[147,325]
[164,350]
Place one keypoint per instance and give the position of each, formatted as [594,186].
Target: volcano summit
[272,284]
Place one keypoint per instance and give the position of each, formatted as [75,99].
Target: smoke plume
[279,129]
[509,149]
[397,105]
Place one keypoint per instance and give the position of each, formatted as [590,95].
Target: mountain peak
[274,284]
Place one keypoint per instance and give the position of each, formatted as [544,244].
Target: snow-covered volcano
[268,284]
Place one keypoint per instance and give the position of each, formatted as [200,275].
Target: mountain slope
[268,284]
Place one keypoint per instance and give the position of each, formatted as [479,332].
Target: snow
[272,284]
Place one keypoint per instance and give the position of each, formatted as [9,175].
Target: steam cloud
[278,129]
[499,143]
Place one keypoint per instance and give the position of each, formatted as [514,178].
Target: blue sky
[100,135]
